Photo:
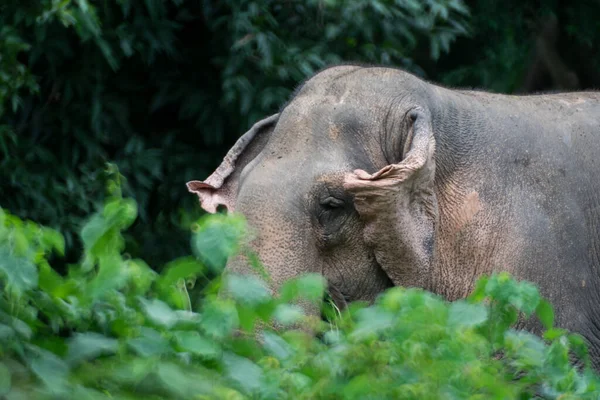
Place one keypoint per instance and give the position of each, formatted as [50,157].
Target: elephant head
[340,182]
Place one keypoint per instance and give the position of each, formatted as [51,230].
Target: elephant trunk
[281,246]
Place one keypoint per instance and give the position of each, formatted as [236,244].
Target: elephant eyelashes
[332,214]
[331,203]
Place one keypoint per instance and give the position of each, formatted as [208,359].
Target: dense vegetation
[114,328]
[161,89]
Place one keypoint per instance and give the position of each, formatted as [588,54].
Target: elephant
[375,178]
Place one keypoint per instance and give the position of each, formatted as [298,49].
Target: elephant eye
[332,214]
[331,203]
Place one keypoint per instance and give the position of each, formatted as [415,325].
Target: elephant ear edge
[399,208]
[220,188]
[418,167]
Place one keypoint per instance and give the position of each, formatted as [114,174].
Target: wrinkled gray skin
[376,178]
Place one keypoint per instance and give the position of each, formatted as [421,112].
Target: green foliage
[499,52]
[111,327]
[272,45]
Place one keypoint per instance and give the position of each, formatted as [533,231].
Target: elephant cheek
[282,258]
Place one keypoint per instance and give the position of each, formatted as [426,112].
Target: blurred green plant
[112,327]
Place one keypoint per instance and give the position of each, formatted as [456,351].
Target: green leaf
[5,380]
[579,345]
[171,284]
[479,293]
[141,276]
[6,332]
[179,383]
[277,346]
[150,343]
[159,312]
[219,318]
[392,299]
[195,343]
[100,235]
[527,350]
[247,289]
[50,369]
[53,240]
[22,328]
[49,280]
[182,268]
[527,298]
[309,286]
[545,313]
[112,275]
[246,375]
[20,273]
[462,313]
[217,237]
[554,333]
[371,322]
[288,314]
[133,371]
[89,345]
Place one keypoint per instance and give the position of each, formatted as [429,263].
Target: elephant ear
[399,207]
[220,188]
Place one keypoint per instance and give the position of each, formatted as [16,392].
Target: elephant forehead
[343,81]
[331,138]
[326,123]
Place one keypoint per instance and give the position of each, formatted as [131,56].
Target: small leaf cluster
[112,327]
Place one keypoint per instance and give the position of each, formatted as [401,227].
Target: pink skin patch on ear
[387,176]
[210,197]
[214,191]
[377,191]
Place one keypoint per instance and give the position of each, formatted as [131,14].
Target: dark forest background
[163,88]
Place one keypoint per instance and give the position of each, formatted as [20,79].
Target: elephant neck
[457,125]
[459,129]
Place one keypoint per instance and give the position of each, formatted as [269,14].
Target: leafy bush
[111,327]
